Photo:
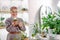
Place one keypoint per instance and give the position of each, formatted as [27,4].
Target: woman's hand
[14,23]
[20,24]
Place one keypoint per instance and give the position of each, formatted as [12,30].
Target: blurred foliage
[52,22]
[1,23]
[48,21]
[35,29]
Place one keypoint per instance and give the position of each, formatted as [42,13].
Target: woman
[14,25]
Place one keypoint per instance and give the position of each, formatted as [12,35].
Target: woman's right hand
[13,23]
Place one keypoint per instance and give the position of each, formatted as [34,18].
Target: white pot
[57,37]
[50,31]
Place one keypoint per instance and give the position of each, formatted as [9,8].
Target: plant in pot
[24,36]
[1,23]
[52,22]
[49,22]
[57,23]
[35,30]
[56,30]
[57,27]
[24,10]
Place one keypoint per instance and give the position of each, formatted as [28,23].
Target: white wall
[54,4]
[33,7]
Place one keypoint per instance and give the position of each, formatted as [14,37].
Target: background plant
[1,23]
[48,21]
[35,29]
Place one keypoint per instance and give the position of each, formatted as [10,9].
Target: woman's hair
[13,8]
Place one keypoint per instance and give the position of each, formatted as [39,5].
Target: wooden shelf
[2,27]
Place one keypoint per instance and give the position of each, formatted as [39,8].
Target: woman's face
[14,12]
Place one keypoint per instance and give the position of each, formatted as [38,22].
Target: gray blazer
[10,28]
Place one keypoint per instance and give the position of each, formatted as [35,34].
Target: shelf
[2,27]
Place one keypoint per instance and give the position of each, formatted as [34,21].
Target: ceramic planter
[57,37]
[50,31]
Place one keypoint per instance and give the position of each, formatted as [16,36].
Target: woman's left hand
[20,24]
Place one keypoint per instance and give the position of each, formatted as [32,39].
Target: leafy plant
[24,9]
[23,37]
[52,22]
[1,23]
[2,18]
[48,21]
[57,23]
[35,30]
[57,27]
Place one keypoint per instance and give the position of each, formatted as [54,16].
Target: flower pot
[57,37]
[43,34]
[50,31]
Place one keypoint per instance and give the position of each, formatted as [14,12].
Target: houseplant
[56,31]
[57,27]
[52,22]
[24,36]
[1,22]
[48,21]
[57,22]
[35,29]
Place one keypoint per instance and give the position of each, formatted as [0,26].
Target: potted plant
[24,37]
[24,10]
[49,22]
[1,23]
[57,23]
[56,30]
[35,30]
[52,22]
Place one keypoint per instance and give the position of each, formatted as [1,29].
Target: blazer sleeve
[9,26]
[23,27]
